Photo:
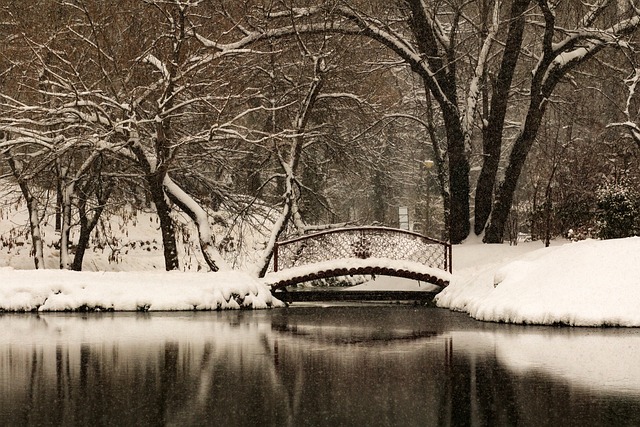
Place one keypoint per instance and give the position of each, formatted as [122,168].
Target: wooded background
[488,117]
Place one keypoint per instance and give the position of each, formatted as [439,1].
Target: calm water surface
[360,365]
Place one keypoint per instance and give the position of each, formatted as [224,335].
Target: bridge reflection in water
[378,365]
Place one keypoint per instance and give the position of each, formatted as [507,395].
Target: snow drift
[588,283]
[62,290]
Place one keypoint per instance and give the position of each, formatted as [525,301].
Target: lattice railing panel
[364,242]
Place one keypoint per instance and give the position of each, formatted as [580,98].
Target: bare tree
[434,40]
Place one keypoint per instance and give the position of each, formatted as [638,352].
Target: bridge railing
[362,242]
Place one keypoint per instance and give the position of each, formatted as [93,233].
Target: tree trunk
[517,158]
[32,209]
[155,180]
[200,219]
[167,227]
[86,227]
[443,86]
[291,165]
[88,224]
[36,234]
[492,136]
[83,239]
[67,191]
[458,226]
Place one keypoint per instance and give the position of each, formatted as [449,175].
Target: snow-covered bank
[588,283]
[57,290]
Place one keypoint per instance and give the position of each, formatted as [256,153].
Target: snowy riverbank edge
[57,290]
[588,283]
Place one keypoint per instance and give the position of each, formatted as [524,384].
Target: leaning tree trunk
[167,226]
[201,220]
[155,180]
[67,190]
[291,166]
[34,227]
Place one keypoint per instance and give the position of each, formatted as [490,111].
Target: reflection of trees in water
[238,371]
[483,391]
[480,392]
[133,379]
[256,369]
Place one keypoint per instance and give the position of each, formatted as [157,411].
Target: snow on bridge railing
[362,242]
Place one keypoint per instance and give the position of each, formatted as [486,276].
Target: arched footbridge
[360,250]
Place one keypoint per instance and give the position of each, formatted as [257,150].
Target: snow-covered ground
[57,290]
[587,283]
[123,269]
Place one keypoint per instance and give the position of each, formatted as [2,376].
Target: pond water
[369,365]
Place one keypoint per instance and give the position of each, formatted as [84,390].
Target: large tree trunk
[155,180]
[443,86]
[492,137]
[517,158]
[458,183]
[86,227]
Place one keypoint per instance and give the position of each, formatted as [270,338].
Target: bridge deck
[350,266]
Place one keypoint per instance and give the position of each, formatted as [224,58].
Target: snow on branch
[28,136]
[580,44]
[256,36]
[345,21]
[346,95]
[437,26]
[296,12]
[629,124]
[475,83]
[153,60]
[631,127]
[595,9]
